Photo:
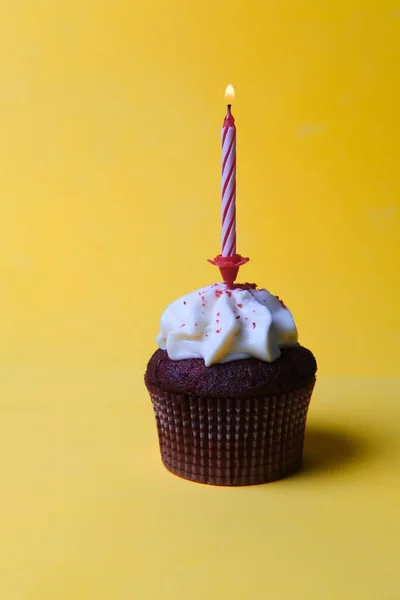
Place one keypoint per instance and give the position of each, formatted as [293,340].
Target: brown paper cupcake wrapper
[231,441]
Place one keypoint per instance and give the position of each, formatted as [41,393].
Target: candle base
[229,267]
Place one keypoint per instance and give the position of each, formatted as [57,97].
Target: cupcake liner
[231,442]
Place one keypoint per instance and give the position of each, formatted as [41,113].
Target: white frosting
[221,325]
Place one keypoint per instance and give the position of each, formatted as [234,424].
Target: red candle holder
[229,267]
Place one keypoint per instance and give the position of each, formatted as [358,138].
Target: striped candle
[228,261]
[228,181]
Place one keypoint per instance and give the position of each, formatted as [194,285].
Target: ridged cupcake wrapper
[231,441]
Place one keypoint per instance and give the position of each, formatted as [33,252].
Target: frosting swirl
[221,325]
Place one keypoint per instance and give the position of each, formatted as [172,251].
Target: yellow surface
[110,115]
[89,513]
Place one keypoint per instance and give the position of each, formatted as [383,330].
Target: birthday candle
[228,180]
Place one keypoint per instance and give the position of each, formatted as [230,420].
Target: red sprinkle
[281,302]
[245,286]
[203,304]
[184,302]
[229,293]
[240,305]
[238,317]
[254,325]
[183,325]
[218,293]
[218,331]
[195,324]
[217,320]
[218,314]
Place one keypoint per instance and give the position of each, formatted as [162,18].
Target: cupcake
[230,386]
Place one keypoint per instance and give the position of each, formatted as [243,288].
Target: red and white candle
[228,261]
[228,181]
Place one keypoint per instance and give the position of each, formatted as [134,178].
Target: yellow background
[110,115]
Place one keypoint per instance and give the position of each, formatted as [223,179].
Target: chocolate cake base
[251,434]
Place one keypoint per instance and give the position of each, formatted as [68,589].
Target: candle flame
[229,94]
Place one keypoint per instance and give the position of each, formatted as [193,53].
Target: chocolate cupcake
[230,387]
